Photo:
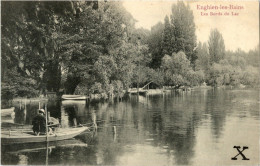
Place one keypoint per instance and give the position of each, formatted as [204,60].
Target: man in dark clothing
[39,123]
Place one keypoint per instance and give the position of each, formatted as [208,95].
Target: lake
[198,127]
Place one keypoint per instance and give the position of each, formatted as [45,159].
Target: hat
[41,111]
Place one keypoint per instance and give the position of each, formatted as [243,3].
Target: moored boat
[7,111]
[39,146]
[73,102]
[17,137]
[135,91]
[74,97]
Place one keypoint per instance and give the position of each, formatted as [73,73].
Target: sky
[239,31]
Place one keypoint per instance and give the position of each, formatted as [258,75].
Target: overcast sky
[240,31]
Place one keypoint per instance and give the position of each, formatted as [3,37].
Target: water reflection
[169,129]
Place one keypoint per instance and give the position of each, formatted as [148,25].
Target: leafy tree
[252,57]
[141,60]
[176,68]
[250,76]
[168,43]
[180,63]
[195,78]
[103,38]
[216,46]
[142,35]
[155,45]
[202,63]
[182,20]
[27,39]
[123,57]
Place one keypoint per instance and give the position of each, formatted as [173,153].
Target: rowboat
[73,102]
[74,97]
[17,137]
[7,111]
[39,146]
[135,91]
[7,119]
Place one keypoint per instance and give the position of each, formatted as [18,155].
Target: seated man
[39,123]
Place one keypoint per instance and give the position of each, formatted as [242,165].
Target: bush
[7,92]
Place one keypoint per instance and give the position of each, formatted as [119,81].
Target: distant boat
[74,97]
[134,91]
[17,137]
[7,111]
[73,102]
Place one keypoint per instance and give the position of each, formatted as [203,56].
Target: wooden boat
[134,91]
[17,137]
[73,102]
[8,111]
[39,146]
[74,97]
[7,119]
[11,125]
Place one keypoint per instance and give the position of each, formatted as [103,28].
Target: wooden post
[47,153]
[75,122]
[46,121]
[138,78]
[24,112]
[114,129]
[49,115]
[114,133]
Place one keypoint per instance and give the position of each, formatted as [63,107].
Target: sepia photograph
[130,82]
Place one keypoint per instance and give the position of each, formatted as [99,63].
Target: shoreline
[149,91]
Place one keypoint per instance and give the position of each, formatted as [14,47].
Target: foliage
[178,71]
[155,45]
[118,88]
[182,20]
[216,46]
[93,48]
[203,61]
[17,85]
[28,45]
[168,43]
[157,76]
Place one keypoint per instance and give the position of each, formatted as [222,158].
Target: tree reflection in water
[150,130]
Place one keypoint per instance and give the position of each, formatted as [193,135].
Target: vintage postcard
[130,83]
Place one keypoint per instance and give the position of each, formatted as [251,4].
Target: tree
[182,20]
[176,69]
[181,65]
[168,41]
[202,63]
[28,44]
[155,45]
[104,37]
[216,46]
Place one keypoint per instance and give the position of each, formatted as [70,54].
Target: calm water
[192,128]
